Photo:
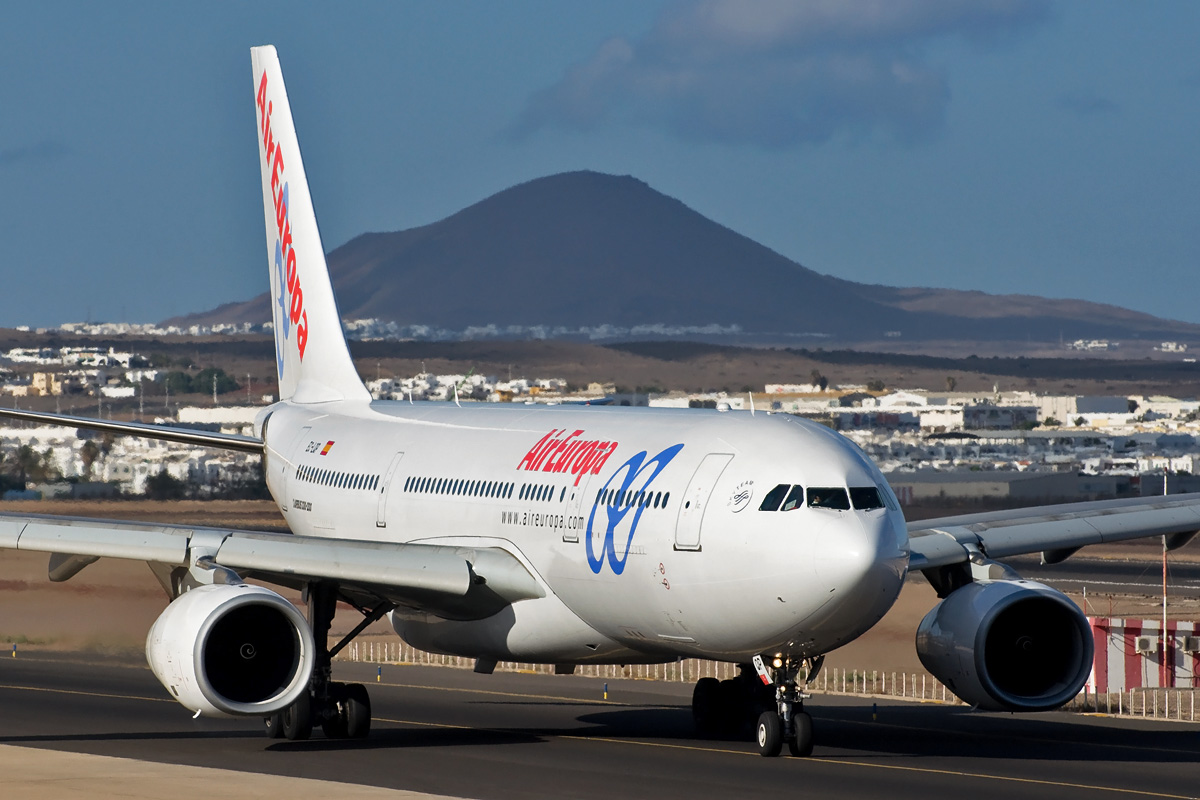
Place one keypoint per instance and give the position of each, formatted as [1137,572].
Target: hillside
[583,250]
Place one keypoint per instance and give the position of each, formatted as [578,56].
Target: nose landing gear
[788,721]
[767,701]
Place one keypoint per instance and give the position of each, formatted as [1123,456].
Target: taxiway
[452,732]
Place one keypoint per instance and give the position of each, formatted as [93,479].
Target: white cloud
[777,73]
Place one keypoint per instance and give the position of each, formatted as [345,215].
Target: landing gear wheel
[348,714]
[297,719]
[357,709]
[769,734]
[334,721]
[786,720]
[706,706]
[736,714]
[801,744]
[274,725]
[342,710]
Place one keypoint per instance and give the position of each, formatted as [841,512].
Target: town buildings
[1017,445]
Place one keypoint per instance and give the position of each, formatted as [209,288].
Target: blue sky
[1002,145]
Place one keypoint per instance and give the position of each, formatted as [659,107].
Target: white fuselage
[643,526]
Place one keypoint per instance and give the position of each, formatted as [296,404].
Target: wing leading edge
[224,441]
[453,582]
[1055,531]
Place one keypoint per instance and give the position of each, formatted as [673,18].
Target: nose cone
[861,565]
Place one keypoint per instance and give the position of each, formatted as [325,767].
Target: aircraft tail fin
[313,361]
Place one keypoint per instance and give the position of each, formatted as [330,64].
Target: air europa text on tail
[291,296]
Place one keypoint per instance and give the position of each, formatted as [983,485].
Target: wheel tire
[274,725]
[802,744]
[333,722]
[762,698]
[706,706]
[736,717]
[297,719]
[745,698]
[358,711]
[769,734]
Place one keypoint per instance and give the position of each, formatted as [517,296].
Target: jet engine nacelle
[235,650]
[1007,645]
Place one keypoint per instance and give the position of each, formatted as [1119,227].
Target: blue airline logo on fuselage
[621,516]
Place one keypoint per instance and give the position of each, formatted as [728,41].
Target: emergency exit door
[696,499]
[385,489]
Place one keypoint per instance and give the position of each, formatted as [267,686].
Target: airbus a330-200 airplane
[566,535]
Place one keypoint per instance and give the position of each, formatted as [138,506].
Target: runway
[1113,575]
[452,732]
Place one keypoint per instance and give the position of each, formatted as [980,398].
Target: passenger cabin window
[627,498]
[865,498]
[833,497]
[357,481]
[455,486]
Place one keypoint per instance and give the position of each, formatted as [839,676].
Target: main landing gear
[729,708]
[342,710]
[765,701]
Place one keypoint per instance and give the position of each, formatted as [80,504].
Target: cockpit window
[829,497]
[865,498]
[773,498]
[889,497]
[795,499]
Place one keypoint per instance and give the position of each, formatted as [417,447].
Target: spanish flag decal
[325,450]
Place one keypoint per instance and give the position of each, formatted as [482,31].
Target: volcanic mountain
[585,252]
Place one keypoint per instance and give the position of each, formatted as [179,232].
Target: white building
[792,388]
[1066,408]
[233,419]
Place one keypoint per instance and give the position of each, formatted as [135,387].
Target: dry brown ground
[245,514]
[110,606]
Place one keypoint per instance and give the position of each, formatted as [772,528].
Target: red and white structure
[1130,654]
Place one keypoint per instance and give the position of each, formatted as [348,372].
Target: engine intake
[234,650]
[1008,645]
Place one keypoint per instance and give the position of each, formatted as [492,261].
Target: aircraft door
[695,500]
[385,488]
[575,521]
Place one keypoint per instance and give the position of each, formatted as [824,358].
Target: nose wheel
[788,723]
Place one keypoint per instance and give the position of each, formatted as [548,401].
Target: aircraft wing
[225,441]
[454,582]
[1055,531]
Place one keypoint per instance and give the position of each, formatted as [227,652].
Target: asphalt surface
[452,732]
[1112,576]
